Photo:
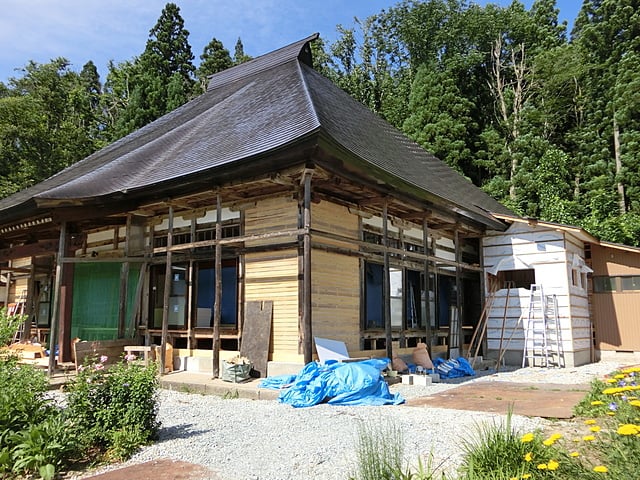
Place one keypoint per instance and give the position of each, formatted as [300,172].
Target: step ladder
[18,308]
[542,338]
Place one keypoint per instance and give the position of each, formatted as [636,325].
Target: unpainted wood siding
[335,279]
[545,251]
[615,314]
[274,275]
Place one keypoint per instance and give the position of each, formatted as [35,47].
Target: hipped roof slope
[249,111]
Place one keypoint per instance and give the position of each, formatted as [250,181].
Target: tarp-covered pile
[354,383]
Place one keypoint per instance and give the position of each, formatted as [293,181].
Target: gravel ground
[243,439]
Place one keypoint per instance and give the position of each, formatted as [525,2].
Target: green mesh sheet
[96,292]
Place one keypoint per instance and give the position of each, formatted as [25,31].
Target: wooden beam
[217,306]
[386,284]
[307,331]
[53,333]
[29,250]
[167,291]
[427,284]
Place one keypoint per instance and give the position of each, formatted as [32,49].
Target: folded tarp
[354,383]
[453,368]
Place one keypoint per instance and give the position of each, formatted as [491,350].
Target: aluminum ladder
[542,339]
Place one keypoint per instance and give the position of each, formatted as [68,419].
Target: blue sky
[100,30]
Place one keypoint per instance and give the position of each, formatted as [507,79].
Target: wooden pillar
[386,283]
[307,331]
[53,333]
[167,293]
[122,304]
[458,254]
[217,305]
[427,284]
[190,278]
[30,302]
[66,310]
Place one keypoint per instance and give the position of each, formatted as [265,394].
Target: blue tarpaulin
[453,368]
[353,383]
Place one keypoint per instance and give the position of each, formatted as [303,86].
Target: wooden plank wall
[336,279]
[544,250]
[274,275]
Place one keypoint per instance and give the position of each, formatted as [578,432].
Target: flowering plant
[117,407]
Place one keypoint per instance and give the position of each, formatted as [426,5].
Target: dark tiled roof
[250,110]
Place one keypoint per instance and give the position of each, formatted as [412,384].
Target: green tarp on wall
[96,292]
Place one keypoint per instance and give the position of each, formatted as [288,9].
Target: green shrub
[379,452]
[45,447]
[35,437]
[9,325]
[117,409]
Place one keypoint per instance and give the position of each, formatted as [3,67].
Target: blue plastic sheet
[353,383]
[453,368]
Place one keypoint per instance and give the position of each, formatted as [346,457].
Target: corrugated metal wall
[616,315]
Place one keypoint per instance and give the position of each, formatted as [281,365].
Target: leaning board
[256,335]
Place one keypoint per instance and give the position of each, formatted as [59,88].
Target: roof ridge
[299,50]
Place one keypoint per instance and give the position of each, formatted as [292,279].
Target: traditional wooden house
[271,209]
[558,285]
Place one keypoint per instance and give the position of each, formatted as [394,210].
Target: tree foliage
[543,120]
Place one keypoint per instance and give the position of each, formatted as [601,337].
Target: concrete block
[422,380]
[283,368]
[435,377]
[407,379]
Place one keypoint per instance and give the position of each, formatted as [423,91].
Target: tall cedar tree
[215,58]
[163,77]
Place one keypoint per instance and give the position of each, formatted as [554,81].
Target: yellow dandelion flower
[595,428]
[619,376]
[528,457]
[552,465]
[542,466]
[597,402]
[556,436]
[600,469]
[631,370]
[590,422]
[548,442]
[610,380]
[611,414]
[527,437]
[574,454]
[588,438]
[628,429]
[526,475]
[635,403]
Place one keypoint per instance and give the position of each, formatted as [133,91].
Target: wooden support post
[122,304]
[307,331]
[427,285]
[53,333]
[458,255]
[167,293]
[26,330]
[217,305]
[386,283]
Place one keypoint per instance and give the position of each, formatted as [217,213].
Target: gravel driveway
[240,439]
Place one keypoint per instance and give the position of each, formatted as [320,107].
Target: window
[517,278]
[407,300]
[604,284]
[630,283]
[205,294]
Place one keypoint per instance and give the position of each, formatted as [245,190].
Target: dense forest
[545,120]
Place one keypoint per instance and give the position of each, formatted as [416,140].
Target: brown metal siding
[616,315]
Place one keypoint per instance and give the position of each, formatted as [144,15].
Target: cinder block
[407,379]
[422,380]
[435,377]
